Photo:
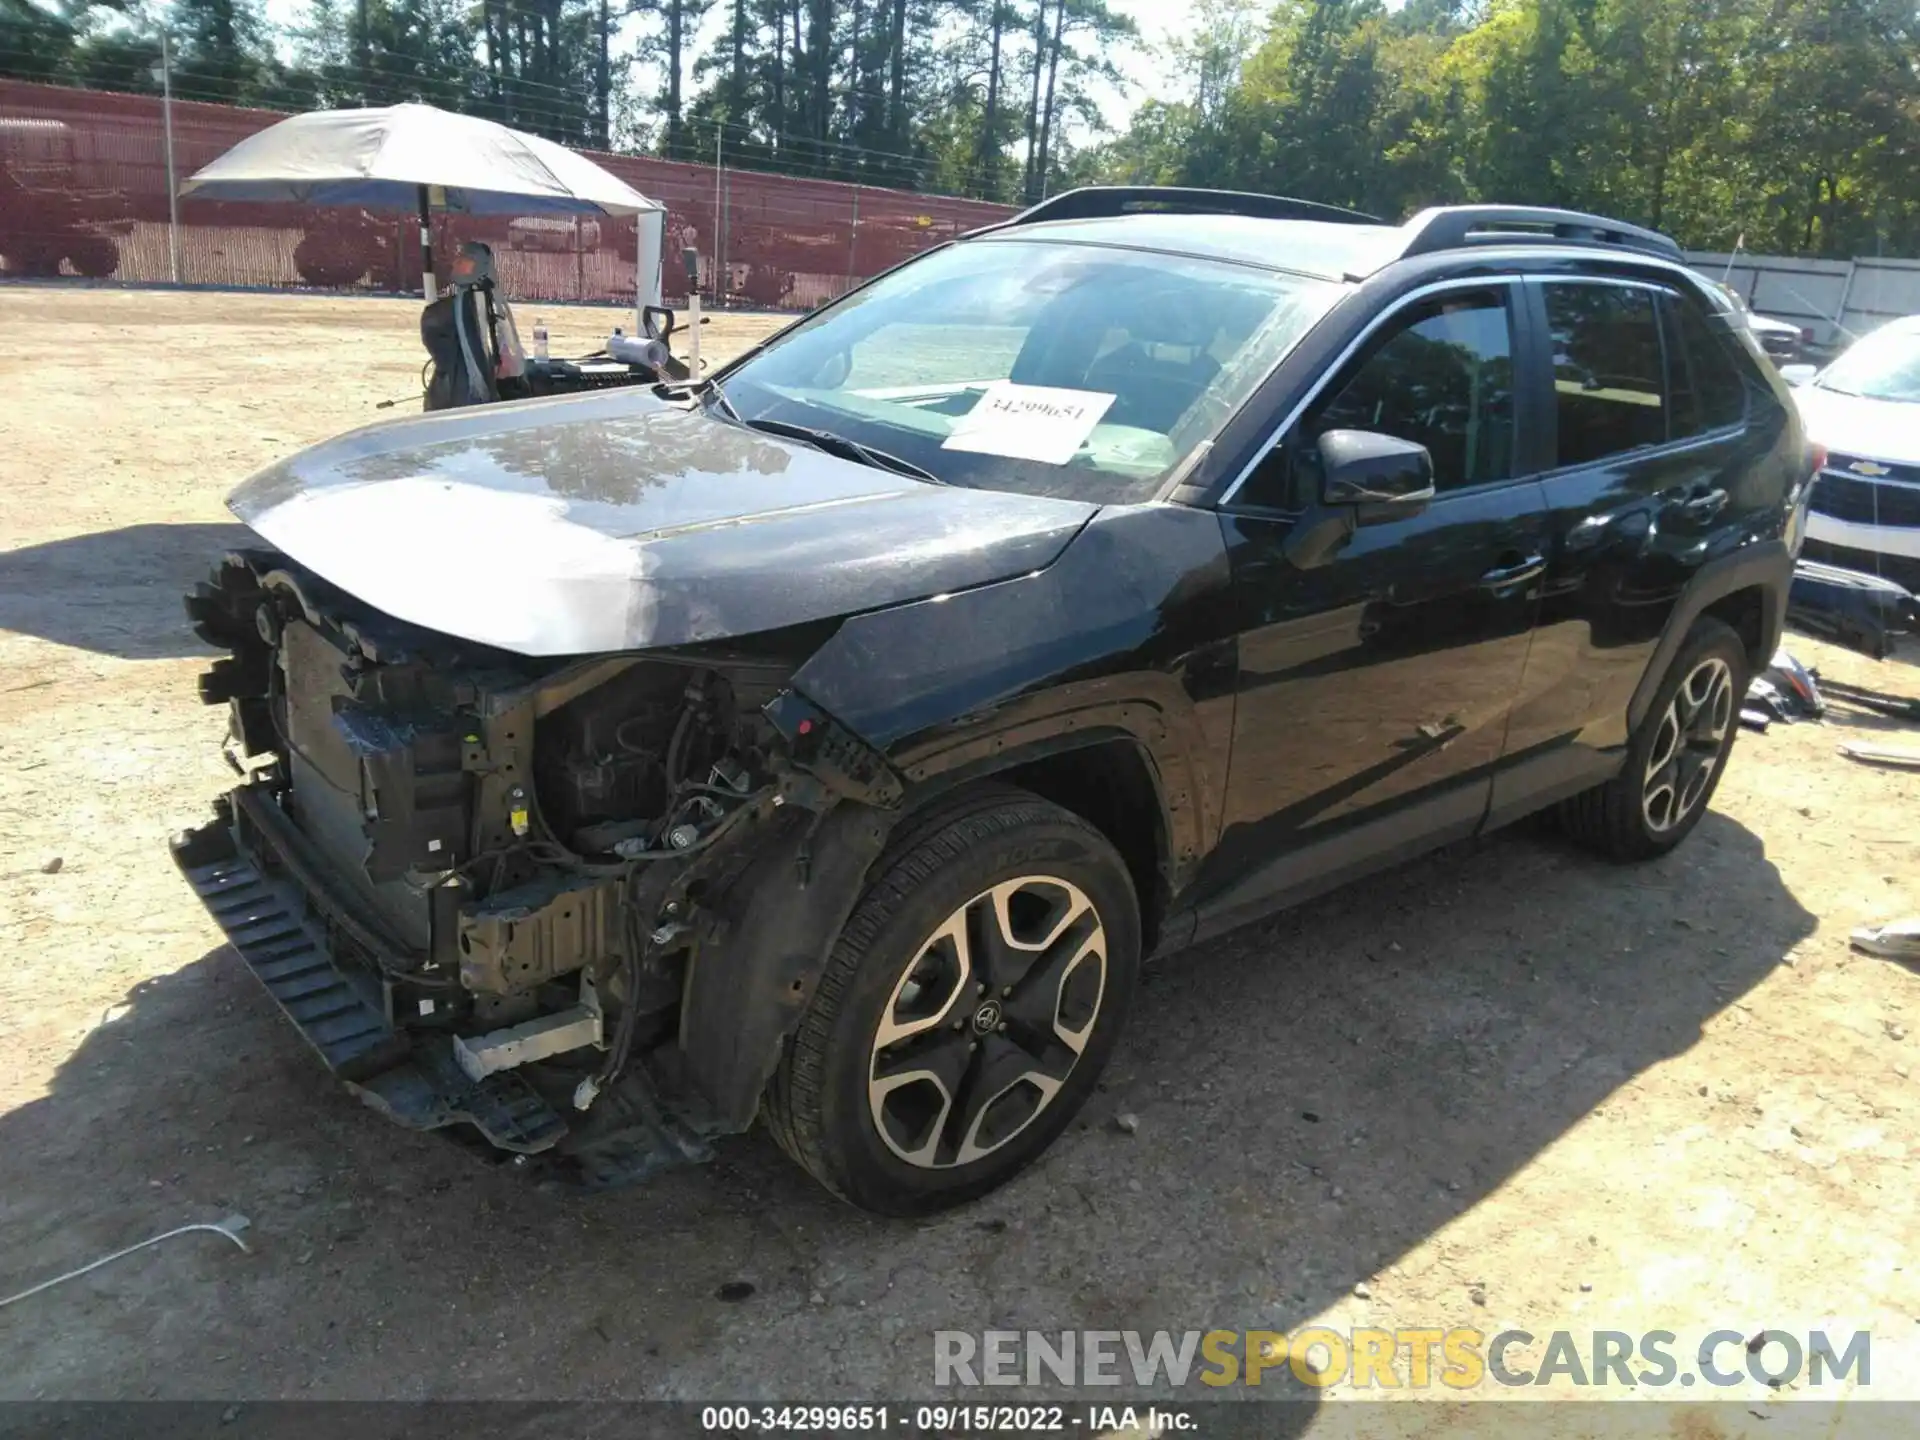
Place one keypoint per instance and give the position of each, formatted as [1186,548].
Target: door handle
[1705,505]
[1699,503]
[1518,573]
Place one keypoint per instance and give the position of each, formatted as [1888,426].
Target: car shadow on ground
[116,592]
[1315,1097]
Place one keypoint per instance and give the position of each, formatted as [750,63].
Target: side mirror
[1798,374]
[1366,479]
[1359,467]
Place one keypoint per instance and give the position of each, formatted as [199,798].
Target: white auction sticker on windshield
[1029,422]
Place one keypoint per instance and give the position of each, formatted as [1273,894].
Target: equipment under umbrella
[417,157]
[408,157]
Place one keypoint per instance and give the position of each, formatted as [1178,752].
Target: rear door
[1649,455]
[1374,687]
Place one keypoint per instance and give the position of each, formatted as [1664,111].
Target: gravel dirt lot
[1505,1086]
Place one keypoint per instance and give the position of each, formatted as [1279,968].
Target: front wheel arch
[1112,785]
[747,987]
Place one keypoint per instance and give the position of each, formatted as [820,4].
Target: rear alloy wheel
[967,1009]
[1688,745]
[1676,757]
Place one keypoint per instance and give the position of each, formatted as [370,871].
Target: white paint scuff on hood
[622,522]
[471,581]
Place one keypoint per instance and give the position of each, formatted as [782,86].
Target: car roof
[1324,249]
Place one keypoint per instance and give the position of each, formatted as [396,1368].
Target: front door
[1375,685]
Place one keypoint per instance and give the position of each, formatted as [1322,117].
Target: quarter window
[1608,388]
[1704,378]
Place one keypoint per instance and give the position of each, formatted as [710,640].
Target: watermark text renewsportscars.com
[1409,1358]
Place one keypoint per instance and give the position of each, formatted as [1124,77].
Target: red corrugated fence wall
[83,191]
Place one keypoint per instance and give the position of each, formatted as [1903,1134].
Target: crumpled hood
[1887,430]
[619,522]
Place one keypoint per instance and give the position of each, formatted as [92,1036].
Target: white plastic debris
[1896,940]
[229,1227]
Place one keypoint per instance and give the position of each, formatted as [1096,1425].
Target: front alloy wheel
[967,1008]
[987,1021]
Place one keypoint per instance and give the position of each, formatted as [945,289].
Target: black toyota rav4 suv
[830,740]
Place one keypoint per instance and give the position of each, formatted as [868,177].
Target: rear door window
[1608,381]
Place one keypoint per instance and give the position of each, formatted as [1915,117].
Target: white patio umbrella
[406,157]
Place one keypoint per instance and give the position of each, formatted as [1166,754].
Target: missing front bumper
[255,884]
[282,933]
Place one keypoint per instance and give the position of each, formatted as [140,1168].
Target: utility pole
[173,184]
[853,238]
[718,287]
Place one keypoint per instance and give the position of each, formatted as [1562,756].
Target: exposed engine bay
[481,878]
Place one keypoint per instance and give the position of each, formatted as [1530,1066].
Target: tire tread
[926,845]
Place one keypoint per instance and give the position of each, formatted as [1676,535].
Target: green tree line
[1793,123]
[971,97]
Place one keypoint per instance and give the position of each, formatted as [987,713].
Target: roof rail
[1453,227]
[1096,202]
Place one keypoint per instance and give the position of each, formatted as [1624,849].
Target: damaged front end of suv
[570,901]
[477,884]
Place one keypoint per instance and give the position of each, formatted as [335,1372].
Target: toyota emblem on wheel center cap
[986,1019]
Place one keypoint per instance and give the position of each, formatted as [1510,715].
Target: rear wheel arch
[1676,757]
[1746,590]
[1744,611]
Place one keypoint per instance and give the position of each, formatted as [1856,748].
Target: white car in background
[1783,341]
[1865,409]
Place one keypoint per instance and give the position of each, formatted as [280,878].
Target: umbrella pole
[427,286]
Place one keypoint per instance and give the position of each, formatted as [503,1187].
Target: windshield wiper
[838,445]
[706,391]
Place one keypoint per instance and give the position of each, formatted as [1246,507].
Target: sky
[1144,64]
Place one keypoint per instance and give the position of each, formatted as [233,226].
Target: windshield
[1048,368]
[1882,366]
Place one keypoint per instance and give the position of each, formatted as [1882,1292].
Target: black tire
[328,262]
[1620,819]
[824,1105]
[34,260]
[93,257]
